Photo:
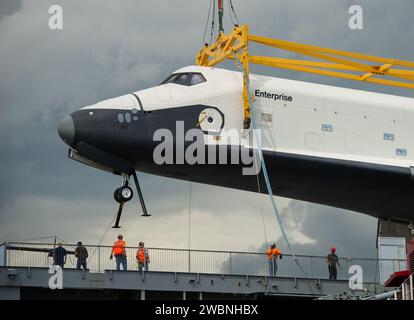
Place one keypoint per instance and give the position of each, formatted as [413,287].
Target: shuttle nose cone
[66,130]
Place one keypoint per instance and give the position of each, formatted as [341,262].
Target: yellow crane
[334,63]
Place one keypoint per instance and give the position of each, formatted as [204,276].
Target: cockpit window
[170,79]
[185,79]
[182,79]
[196,78]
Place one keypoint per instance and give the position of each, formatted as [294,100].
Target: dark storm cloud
[353,235]
[8,7]
[107,50]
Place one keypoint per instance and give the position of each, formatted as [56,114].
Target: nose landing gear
[124,194]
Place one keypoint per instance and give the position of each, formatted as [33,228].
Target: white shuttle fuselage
[335,146]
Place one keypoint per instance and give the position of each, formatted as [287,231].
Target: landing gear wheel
[123,194]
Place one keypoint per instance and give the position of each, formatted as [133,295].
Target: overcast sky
[109,48]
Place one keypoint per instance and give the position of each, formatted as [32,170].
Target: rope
[189,217]
[64,241]
[31,239]
[264,225]
[264,169]
[261,206]
[100,241]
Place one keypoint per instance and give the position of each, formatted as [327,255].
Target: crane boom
[335,63]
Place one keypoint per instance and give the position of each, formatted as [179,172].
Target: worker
[82,254]
[142,257]
[333,261]
[272,254]
[59,255]
[119,251]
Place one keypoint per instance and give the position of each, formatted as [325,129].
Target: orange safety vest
[141,256]
[270,253]
[119,248]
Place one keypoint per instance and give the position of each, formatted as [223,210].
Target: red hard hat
[333,249]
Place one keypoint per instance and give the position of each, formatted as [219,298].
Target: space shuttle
[328,145]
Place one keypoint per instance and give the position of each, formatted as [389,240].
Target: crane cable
[207,22]
[233,15]
[264,169]
[213,21]
[212,16]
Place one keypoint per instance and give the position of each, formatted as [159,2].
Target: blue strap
[263,165]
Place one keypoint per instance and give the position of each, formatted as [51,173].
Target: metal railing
[406,290]
[202,261]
